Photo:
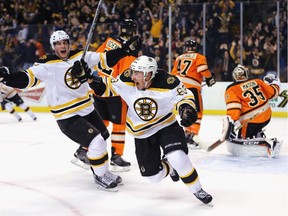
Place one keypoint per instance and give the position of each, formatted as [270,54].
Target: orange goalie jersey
[245,99]
[190,69]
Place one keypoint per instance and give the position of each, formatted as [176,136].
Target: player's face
[62,49]
[139,79]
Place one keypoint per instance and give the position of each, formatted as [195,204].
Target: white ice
[38,179]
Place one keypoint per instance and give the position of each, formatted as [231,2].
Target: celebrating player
[151,96]
[68,97]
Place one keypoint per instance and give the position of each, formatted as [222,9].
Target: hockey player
[191,67]
[151,96]
[69,100]
[9,95]
[114,109]
[248,110]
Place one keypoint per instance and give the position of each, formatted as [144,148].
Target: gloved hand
[211,80]
[81,71]
[4,74]
[134,44]
[271,79]
[187,114]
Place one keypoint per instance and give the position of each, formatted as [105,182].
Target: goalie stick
[219,141]
[93,25]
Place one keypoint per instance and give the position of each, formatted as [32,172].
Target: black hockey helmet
[190,45]
[128,27]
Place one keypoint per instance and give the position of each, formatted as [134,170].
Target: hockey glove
[81,71]
[4,74]
[211,80]
[187,114]
[271,79]
[134,44]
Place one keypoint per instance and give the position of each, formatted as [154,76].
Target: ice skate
[191,142]
[105,182]
[80,158]
[204,197]
[115,178]
[118,164]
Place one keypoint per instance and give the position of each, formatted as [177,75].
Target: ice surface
[37,178]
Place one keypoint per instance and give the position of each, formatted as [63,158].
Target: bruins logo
[127,73]
[171,80]
[146,108]
[71,82]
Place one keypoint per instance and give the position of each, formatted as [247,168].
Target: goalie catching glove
[271,79]
[187,114]
[81,71]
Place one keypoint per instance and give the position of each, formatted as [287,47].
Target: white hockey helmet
[145,64]
[240,73]
[58,36]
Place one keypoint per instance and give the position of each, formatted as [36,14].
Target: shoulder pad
[47,58]
[165,80]
[126,76]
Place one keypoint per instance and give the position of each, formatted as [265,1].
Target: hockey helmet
[240,73]
[58,36]
[145,64]
[190,45]
[128,27]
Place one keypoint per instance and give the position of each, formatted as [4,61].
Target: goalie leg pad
[227,128]
[258,147]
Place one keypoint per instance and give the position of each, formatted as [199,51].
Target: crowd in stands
[25,27]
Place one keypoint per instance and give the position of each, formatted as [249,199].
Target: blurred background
[227,32]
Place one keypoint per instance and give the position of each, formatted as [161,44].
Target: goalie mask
[145,65]
[58,36]
[127,28]
[240,73]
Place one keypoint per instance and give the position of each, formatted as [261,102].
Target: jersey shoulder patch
[165,80]
[126,76]
[47,58]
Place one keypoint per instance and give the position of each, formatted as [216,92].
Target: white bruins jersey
[152,109]
[65,96]
[6,92]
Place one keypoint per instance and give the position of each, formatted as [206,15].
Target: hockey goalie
[248,112]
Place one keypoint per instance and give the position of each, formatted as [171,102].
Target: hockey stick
[219,141]
[93,25]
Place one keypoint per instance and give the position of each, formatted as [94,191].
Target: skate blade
[114,168]
[193,147]
[210,204]
[79,163]
[100,187]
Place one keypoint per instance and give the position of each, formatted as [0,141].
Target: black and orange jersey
[190,68]
[245,99]
[122,64]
